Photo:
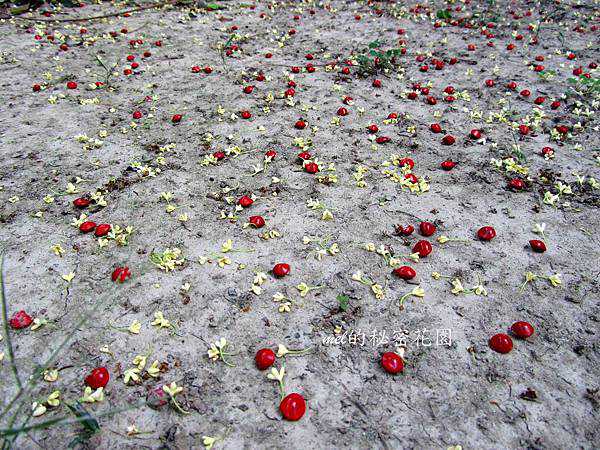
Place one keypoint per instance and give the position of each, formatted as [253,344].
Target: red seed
[102,230]
[522,330]
[423,248]
[448,140]
[20,320]
[264,358]
[81,202]
[311,167]
[300,125]
[537,246]
[475,134]
[281,270]
[405,272]
[120,274]
[293,407]
[501,343]
[426,228]
[411,177]
[405,231]
[245,201]
[407,162]
[86,227]
[562,129]
[486,233]
[516,184]
[257,221]
[392,363]
[98,378]
[448,165]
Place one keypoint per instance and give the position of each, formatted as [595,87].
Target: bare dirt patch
[165,119]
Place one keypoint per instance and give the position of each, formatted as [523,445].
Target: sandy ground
[543,394]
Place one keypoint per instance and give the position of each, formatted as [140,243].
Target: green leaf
[374,44]
[84,417]
[343,302]
[214,7]
[443,14]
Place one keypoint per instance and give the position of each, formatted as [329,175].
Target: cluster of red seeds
[293,406]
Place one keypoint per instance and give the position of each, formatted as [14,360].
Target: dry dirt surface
[353,188]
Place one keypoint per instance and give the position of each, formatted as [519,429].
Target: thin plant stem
[8,445]
[33,380]
[65,420]
[104,16]
[9,346]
